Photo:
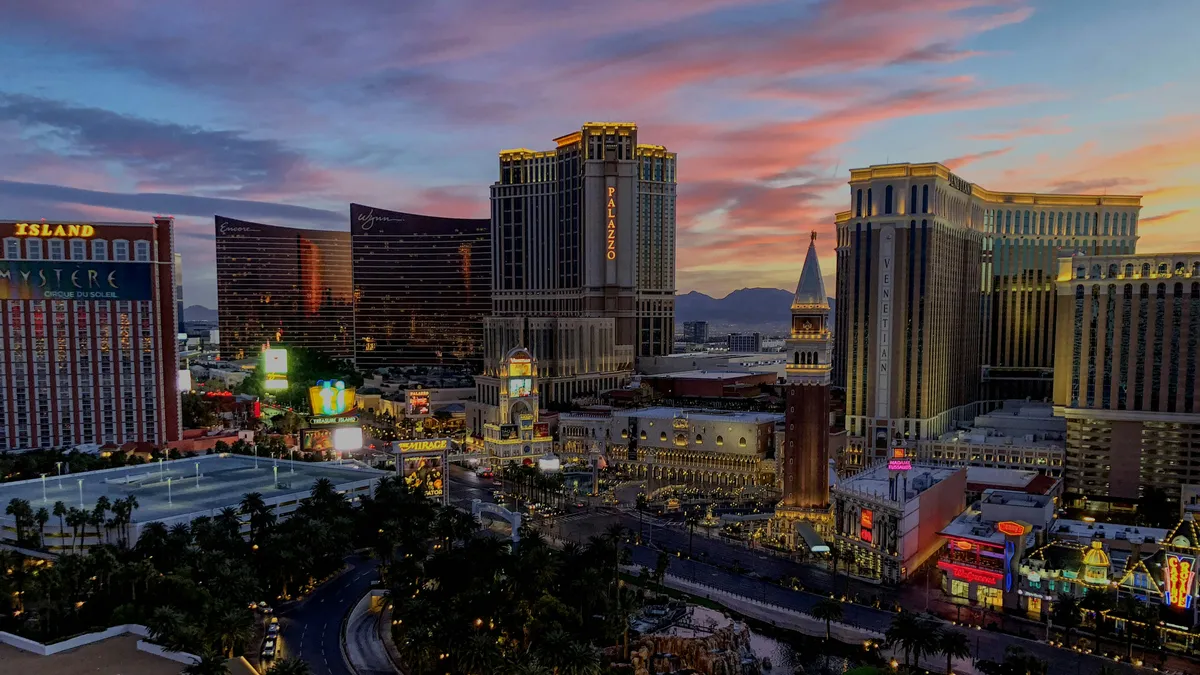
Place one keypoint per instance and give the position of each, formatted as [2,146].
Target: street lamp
[81,493]
[43,488]
[169,500]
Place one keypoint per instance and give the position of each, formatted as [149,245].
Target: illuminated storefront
[512,432]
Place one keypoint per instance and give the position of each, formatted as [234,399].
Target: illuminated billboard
[62,280]
[866,523]
[1179,574]
[275,361]
[275,382]
[418,403]
[316,440]
[345,439]
[183,381]
[424,473]
[331,397]
[520,386]
[508,432]
[422,445]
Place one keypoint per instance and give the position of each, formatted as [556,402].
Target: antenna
[836,166]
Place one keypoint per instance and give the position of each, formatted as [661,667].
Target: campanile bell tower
[803,461]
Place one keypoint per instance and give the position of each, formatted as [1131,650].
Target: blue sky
[285,112]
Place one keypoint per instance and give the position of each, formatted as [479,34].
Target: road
[712,555]
[312,629]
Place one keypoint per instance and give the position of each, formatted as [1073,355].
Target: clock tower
[803,461]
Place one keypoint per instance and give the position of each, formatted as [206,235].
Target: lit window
[720,440]
[742,442]
[699,439]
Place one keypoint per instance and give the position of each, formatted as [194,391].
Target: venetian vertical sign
[887,251]
[611,224]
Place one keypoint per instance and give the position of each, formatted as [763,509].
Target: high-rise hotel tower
[946,296]
[583,258]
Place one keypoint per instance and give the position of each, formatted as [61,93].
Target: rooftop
[705,375]
[981,478]
[114,656]
[875,481]
[1090,530]
[701,415]
[223,480]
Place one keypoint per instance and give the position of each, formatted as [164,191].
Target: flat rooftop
[874,481]
[702,415]
[223,480]
[114,656]
[1132,533]
[703,375]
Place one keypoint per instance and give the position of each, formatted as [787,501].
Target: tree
[60,510]
[953,645]
[210,663]
[198,412]
[1066,615]
[22,515]
[905,634]
[827,610]
[97,519]
[290,667]
[1096,602]
[1016,662]
[42,517]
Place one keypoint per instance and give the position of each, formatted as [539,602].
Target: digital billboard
[275,361]
[520,386]
[346,439]
[424,473]
[331,397]
[508,432]
[418,403]
[61,280]
[316,440]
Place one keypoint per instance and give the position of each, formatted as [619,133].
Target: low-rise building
[888,517]
[710,383]
[1018,435]
[744,342]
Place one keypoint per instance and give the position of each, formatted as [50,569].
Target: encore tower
[809,349]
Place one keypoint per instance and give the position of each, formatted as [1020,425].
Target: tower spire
[810,291]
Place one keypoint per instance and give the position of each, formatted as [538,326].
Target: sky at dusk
[285,111]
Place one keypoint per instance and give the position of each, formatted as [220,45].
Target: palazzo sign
[611,224]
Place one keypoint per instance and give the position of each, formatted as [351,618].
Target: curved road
[312,629]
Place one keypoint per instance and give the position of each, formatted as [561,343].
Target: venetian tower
[804,461]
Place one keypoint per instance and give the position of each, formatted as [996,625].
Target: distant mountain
[199,313]
[761,309]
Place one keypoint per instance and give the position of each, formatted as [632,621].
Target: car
[273,629]
[268,650]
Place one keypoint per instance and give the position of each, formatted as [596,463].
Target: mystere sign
[60,280]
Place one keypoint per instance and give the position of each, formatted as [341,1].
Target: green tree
[41,517]
[210,663]
[1066,615]
[953,645]
[827,610]
[60,510]
[198,412]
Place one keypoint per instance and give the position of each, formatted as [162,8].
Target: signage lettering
[429,445]
[226,228]
[367,220]
[50,230]
[52,280]
[960,184]
[1179,576]
[1012,528]
[887,250]
[611,226]
[971,573]
[326,420]
[899,465]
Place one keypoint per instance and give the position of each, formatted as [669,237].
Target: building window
[1093,325]
[121,250]
[742,442]
[662,436]
[912,199]
[1160,307]
[858,204]
[699,439]
[142,249]
[1176,327]
[33,249]
[887,200]
[12,248]
[99,249]
[78,249]
[57,249]
[924,199]
[720,440]
[1189,386]
[1106,217]
[1077,346]
[870,209]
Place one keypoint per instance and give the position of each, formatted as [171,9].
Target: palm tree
[97,520]
[260,515]
[42,517]
[210,663]
[1066,614]
[903,633]
[827,610]
[479,654]
[21,512]
[1131,610]
[60,510]
[953,645]
[1096,602]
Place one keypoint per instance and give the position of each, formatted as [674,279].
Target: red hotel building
[88,323]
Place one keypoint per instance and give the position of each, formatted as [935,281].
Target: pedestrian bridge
[479,508]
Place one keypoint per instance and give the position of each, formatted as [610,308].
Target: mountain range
[199,313]
[766,310]
[763,309]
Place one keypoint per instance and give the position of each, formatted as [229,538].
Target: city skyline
[149,111]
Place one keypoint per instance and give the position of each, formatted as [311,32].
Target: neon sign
[1012,528]
[970,574]
[867,519]
[899,465]
[611,224]
[963,545]
[1010,551]
[48,230]
[1179,575]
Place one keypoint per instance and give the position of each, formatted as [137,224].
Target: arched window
[662,436]
[1106,217]
[642,435]
[1060,223]
[720,440]
[1145,270]
[1128,271]
[1112,270]
[1007,222]
[924,199]
[1025,227]
[1162,269]
[870,203]
[742,442]
[1095,271]
[1042,223]
[1124,224]
[912,200]
[699,439]
[887,199]
[858,204]
[796,359]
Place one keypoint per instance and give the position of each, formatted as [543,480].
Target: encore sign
[48,230]
[611,226]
